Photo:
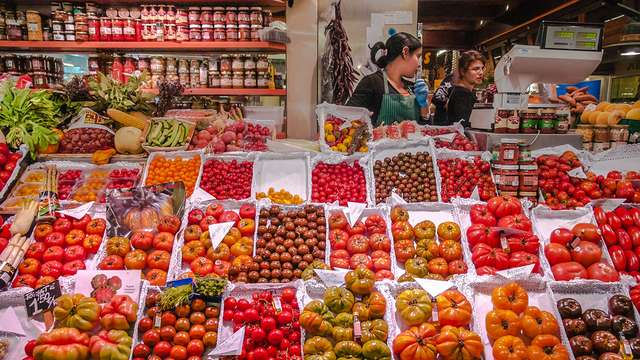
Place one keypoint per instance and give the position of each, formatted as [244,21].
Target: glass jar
[263,80]
[182,33]
[207,32]
[219,33]
[225,63]
[204,80]
[171,65]
[219,16]
[500,121]
[250,79]
[244,17]
[214,79]
[601,133]
[528,178]
[232,32]
[206,15]
[619,133]
[588,146]
[226,81]
[256,15]
[129,30]
[70,36]
[185,80]
[182,16]
[170,32]
[562,122]
[231,15]
[195,34]
[183,66]
[194,79]
[509,152]
[34,25]
[249,63]
[267,18]
[170,16]
[524,154]
[117,33]
[244,33]
[213,64]
[547,121]
[529,121]
[105,29]
[237,64]
[508,177]
[255,35]
[263,63]
[194,15]
[238,80]
[600,146]
[586,131]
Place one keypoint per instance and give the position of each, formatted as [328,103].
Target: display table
[486,140]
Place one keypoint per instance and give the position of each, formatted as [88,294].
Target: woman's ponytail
[383,54]
[379,54]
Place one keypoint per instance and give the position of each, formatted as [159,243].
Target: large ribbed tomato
[535,322]
[453,308]
[417,343]
[458,343]
[510,297]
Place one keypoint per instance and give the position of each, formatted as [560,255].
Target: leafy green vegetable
[28,117]
[111,94]
[210,286]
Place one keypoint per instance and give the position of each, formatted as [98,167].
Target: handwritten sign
[217,232]
[355,210]
[78,212]
[517,272]
[42,299]
[332,277]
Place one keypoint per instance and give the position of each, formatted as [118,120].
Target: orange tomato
[536,322]
[509,348]
[510,297]
[500,323]
[453,308]
[547,347]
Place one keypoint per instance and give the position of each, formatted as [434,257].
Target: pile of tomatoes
[576,254]
[421,339]
[271,320]
[620,230]
[500,236]
[145,250]
[227,179]
[460,177]
[183,332]
[236,246]
[60,249]
[364,244]
[417,248]
[513,321]
[338,182]
[163,170]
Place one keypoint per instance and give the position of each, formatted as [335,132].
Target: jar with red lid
[225,63]
[507,177]
[170,32]
[232,33]
[138,25]
[93,25]
[195,34]
[528,177]
[231,15]
[244,33]
[116,29]
[207,32]
[182,16]
[237,80]
[256,15]
[500,121]
[206,15]
[244,16]
[170,17]
[194,15]
[219,33]
[255,35]
[509,152]
[129,30]
[105,29]
[219,16]
[182,33]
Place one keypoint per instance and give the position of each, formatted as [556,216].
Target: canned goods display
[45,71]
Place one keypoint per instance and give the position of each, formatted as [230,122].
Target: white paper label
[475,195]
[434,287]
[10,322]
[277,304]
[590,107]
[577,173]
[217,232]
[354,211]
[232,346]
[332,277]
[607,204]
[507,231]
[434,310]
[447,137]
[517,272]
[78,212]
[397,199]
[200,195]
[157,320]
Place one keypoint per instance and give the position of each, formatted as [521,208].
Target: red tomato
[54,239]
[523,258]
[484,255]
[633,262]
[561,236]
[163,241]
[91,243]
[169,223]
[361,260]
[603,272]
[51,268]
[111,262]
[486,270]
[214,210]
[74,237]
[337,220]
[142,240]
[568,270]
[624,240]
[35,250]
[586,253]
[556,253]
[358,228]
[53,253]
[481,233]
[338,239]
[634,233]
[96,227]
[609,235]
[524,242]
[379,241]
[380,254]
[162,349]
[618,258]
[62,225]
[81,224]
[25,280]
[381,263]
[341,263]
[383,274]
[457,267]
[600,215]
[375,224]
[518,221]
[72,267]
[480,214]
[74,252]
[358,244]
[29,266]
[586,232]
[502,206]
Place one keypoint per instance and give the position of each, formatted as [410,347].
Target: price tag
[78,212]
[607,204]
[157,320]
[517,272]
[447,137]
[200,195]
[354,211]
[277,304]
[573,243]
[434,309]
[625,344]
[232,346]
[217,232]
[397,199]
[42,299]
[475,195]
[577,173]
[357,328]
[332,277]
[434,287]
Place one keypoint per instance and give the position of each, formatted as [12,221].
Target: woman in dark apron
[385,93]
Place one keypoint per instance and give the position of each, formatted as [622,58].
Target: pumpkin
[414,306]
[509,348]
[453,308]
[339,299]
[535,322]
[547,347]
[374,329]
[500,323]
[455,343]
[510,297]
[417,343]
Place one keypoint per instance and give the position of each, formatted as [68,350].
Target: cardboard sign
[42,299]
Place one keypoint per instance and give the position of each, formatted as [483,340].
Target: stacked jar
[515,171]
[45,71]
[527,173]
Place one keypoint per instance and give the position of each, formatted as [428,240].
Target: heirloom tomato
[459,343]
[509,347]
[416,343]
[360,281]
[536,322]
[500,323]
[510,297]
[453,308]
[76,311]
[568,270]
[502,206]
[62,343]
[414,306]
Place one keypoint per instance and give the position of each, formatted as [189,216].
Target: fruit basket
[339,178]
[596,308]
[184,166]
[574,230]
[281,174]
[420,183]
[227,176]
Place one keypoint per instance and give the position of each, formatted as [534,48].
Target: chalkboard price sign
[42,299]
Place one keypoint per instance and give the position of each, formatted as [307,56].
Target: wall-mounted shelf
[229,92]
[140,46]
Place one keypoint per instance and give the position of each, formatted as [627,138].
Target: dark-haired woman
[385,93]
[461,95]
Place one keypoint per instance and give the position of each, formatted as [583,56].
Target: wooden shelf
[142,46]
[229,92]
[264,3]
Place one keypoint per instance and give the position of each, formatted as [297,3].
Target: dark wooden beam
[445,40]
[439,11]
[453,25]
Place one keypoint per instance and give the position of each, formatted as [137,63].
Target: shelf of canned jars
[229,92]
[92,46]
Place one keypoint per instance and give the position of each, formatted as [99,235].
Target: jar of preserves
[267,18]
[263,80]
[159,29]
[547,121]
[207,32]
[524,154]
[529,121]
[250,79]
[249,63]
[105,29]
[255,34]
[78,17]
[500,122]
[57,25]
[93,28]
[70,26]
[214,79]
[219,33]
[171,65]
[39,79]
[601,133]
[226,81]
[82,36]
[507,177]
[194,15]
[129,30]
[194,79]
[170,16]
[117,33]
[562,122]
[619,133]
[70,36]
[184,80]
[213,64]
[528,178]
[237,64]
[157,65]
[194,65]
[586,131]
[225,63]
[34,25]
[262,65]
[82,27]
[232,32]
[244,16]
[170,33]
[256,15]
[203,75]
[238,80]
[195,34]
[182,16]
[219,16]
[231,15]
[509,152]
[206,15]
[182,33]
[244,33]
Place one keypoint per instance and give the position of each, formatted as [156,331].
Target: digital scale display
[565,36]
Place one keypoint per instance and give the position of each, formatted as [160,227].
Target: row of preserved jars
[45,71]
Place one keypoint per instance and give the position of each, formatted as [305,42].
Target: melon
[633,114]
[603,118]
[594,117]
[585,117]
[602,106]
[615,117]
